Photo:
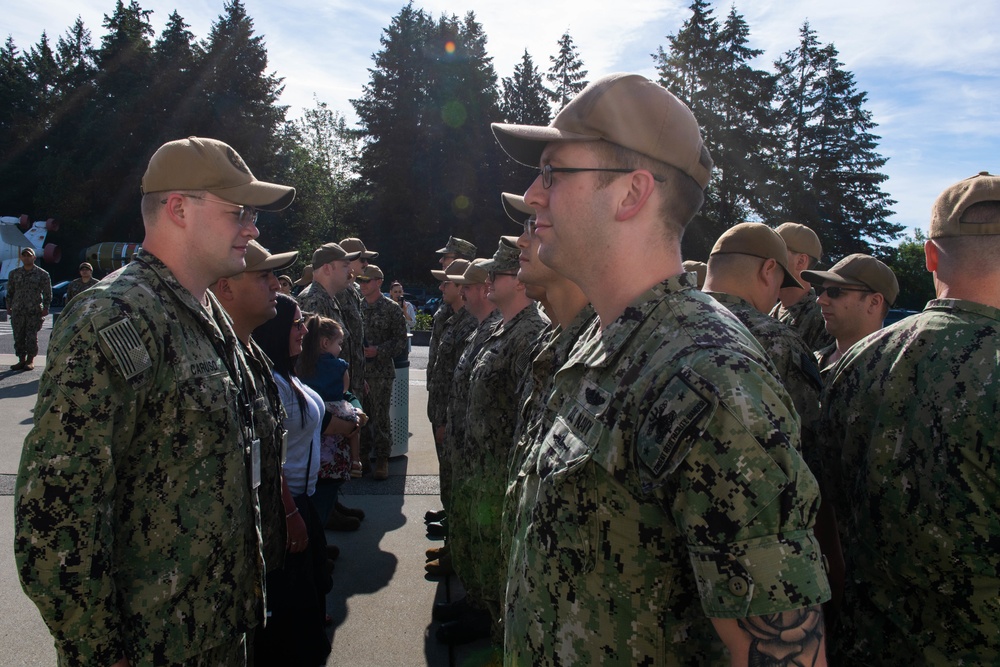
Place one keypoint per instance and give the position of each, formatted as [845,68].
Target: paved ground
[381,601]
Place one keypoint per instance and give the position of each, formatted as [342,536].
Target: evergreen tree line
[791,143]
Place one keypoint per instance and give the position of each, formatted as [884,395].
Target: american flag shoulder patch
[128,352]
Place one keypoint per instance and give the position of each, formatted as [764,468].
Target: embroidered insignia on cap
[237,161]
[130,354]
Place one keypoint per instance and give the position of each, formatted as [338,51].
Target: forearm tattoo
[788,639]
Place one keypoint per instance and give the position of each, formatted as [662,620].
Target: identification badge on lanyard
[255,462]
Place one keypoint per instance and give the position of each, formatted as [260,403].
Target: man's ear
[176,209]
[875,302]
[222,290]
[931,255]
[640,187]
[770,271]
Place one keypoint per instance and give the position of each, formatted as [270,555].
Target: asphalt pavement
[381,599]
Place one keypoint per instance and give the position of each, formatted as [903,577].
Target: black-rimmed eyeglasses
[547,171]
[247,215]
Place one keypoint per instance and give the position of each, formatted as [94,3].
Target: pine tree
[44,71]
[566,74]
[75,57]
[708,67]
[394,116]
[830,171]
[181,105]
[92,177]
[242,95]
[17,127]
[524,96]
[429,159]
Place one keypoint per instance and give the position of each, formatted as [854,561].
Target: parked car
[431,306]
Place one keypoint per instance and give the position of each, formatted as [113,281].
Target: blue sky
[931,69]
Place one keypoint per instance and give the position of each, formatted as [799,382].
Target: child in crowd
[321,369]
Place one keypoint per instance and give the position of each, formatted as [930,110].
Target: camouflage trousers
[444,468]
[376,437]
[474,524]
[26,328]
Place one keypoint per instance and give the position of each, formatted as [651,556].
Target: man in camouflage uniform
[745,271]
[798,307]
[350,300]
[385,328]
[136,522]
[570,314]
[331,273]
[456,248]
[670,475]
[29,293]
[865,290]
[480,461]
[456,330]
[83,283]
[910,414]
[473,286]
[250,300]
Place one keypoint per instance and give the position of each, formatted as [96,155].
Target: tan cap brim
[525,143]
[277,262]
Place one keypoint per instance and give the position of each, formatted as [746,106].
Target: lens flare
[449,47]
[453,113]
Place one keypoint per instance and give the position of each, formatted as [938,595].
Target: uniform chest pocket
[264,422]
[206,420]
[565,514]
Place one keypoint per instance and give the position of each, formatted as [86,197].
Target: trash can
[399,408]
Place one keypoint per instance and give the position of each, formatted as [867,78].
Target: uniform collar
[601,345]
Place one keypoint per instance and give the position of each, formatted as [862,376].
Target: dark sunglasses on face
[835,291]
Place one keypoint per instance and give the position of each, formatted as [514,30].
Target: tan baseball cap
[753,238]
[950,206]
[331,252]
[516,209]
[474,273]
[356,245]
[372,272]
[197,163]
[86,265]
[457,268]
[505,259]
[260,259]
[801,239]
[863,270]
[458,247]
[27,250]
[624,109]
[306,277]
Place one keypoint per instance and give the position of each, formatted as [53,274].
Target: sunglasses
[492,275]
[835,292]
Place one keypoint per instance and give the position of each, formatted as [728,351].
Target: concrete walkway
[381,600]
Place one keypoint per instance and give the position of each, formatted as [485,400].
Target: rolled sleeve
[761,576]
